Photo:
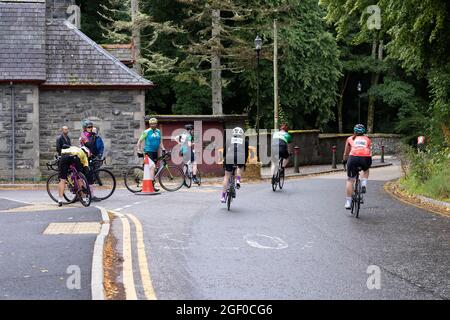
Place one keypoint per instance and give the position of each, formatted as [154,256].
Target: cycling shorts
[64,165]
[229,167]
[354,162]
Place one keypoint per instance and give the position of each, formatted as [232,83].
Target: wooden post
[136,35]
[216,68]
[275,75]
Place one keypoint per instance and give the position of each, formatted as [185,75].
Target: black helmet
[189,127]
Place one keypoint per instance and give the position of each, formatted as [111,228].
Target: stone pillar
[56,9]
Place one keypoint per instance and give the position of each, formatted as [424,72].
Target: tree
[419,31]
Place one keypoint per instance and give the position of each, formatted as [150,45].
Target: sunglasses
[90,127]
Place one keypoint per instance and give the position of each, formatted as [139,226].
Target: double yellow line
[128,274]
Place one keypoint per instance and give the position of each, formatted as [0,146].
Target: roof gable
[74,59]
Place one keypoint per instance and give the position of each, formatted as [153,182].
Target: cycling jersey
[152,139]
[280,142]
[76,151]
[89,139]
[283,136]
[185,138]
[360,146]
[237,153]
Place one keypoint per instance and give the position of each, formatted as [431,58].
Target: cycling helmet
[238,132]
[153,121]
[189,127]
[86,150]
[86,123]
[359,129]
[284,127]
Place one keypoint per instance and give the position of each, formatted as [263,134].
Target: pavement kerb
[302,175]
[421,198]
[97,288]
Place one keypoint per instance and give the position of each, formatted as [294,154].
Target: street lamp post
[258,46]
[359,88]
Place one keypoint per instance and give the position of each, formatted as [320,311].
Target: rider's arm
[139,143]
[161,146]
[347,150]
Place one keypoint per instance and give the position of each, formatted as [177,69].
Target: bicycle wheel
[281,179]
[104,183]
[83,191]
[69,193]
[229,197]
[133,179]
[199,178]
[353,199]
[171,178]
[358,198]
[187,177]
[52,189]
[275,182]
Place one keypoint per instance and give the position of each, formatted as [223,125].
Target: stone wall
[316,148]
[26,105]
[118,114]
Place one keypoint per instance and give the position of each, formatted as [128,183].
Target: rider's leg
[350,182]
[273,166]
[364,177]
[349,190]
[61,186]
[285,162]
[226,178]
[238,177]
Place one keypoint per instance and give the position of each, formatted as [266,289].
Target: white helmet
[86,150]
[238,132]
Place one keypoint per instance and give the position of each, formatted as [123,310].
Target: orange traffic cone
[147,185]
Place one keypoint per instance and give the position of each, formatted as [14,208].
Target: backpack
[100,146]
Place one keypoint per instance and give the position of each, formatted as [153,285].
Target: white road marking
[127,206]
[14,200]
[252,240]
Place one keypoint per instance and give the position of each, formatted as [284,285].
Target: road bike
[170,177]
[189,174]
[231,188]
[77,186]
[357,196]
[278,176]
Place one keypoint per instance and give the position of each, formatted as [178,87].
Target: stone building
[51,74]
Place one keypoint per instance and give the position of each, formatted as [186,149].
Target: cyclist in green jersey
[280,146]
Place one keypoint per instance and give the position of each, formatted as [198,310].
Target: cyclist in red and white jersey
[357,153]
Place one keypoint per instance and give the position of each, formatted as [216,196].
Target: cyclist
[280,146]
[88,137]
[186,139]
[69,156]
[152,138]
[63,140]
[357,153]
[236,154]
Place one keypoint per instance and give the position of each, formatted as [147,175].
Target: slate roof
[74,59]
[22,41]
[123,52]
[54,52]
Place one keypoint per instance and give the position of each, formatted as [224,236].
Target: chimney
[56,9]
